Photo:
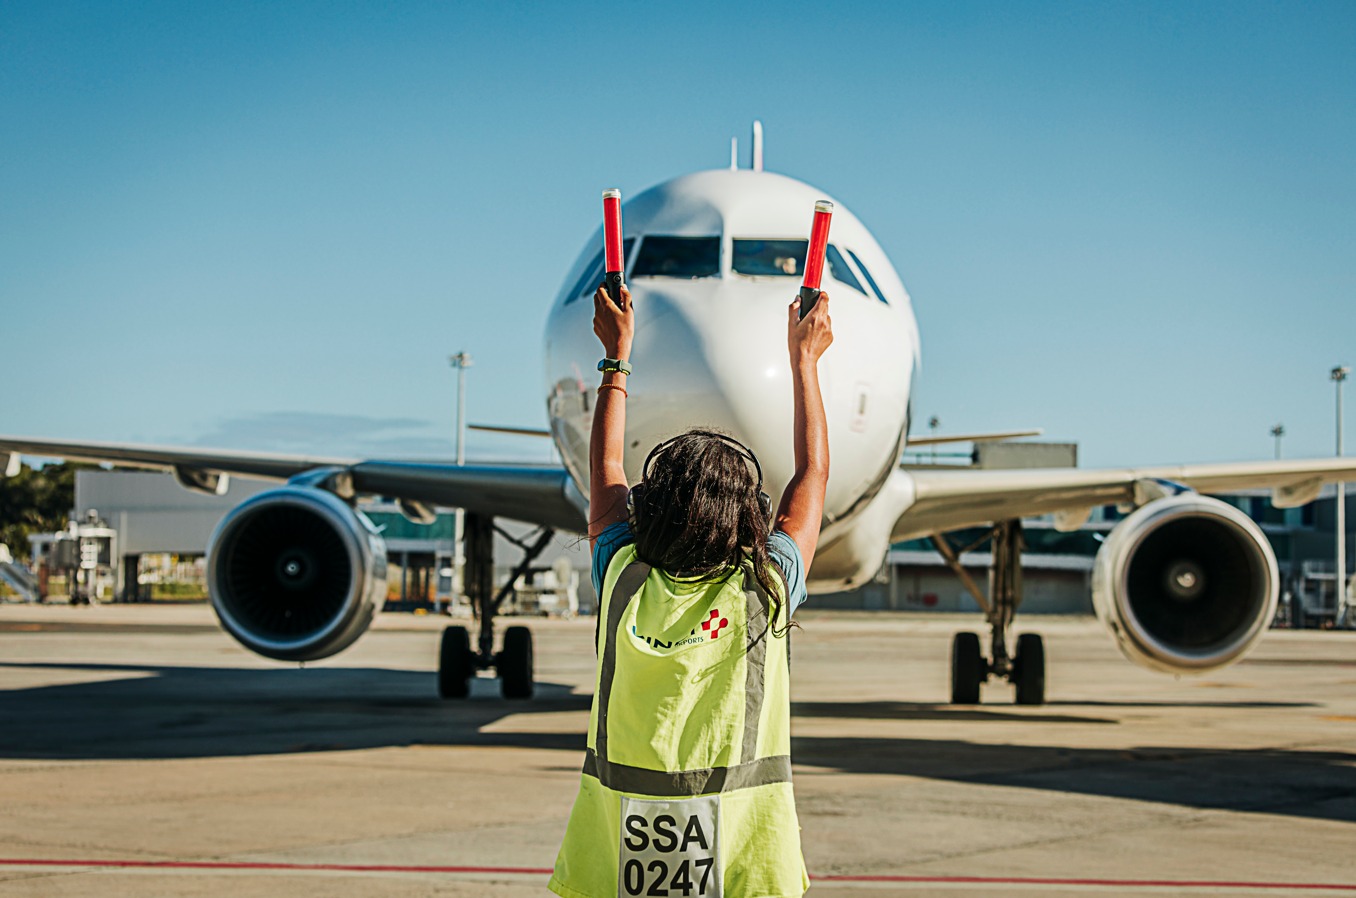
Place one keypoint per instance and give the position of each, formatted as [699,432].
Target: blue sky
[267,225]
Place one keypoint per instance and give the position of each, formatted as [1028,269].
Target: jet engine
[1185,584]
[296,574]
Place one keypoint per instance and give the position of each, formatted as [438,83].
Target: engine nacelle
[1186,584]
[296,573]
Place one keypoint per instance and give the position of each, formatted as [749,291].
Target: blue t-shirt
[781,548]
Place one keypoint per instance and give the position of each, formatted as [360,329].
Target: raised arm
[615,325]
[802,506]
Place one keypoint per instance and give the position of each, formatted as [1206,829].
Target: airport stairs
[19,578]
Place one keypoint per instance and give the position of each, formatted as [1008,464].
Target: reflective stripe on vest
[752,771]
[674,783]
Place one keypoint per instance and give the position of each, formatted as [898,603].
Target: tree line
[36,500]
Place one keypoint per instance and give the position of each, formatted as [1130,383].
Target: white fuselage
[710,347]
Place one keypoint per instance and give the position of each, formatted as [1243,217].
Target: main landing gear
[457,662]
[969,668]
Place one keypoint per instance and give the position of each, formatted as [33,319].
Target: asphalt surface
[143,752]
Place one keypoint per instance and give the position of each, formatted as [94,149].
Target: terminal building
[152,517]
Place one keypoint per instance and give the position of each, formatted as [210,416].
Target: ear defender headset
[637,492]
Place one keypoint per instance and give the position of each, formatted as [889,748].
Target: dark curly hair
[697,511]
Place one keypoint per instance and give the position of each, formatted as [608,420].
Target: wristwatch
[615,365]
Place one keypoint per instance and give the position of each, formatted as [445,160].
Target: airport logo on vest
[711,627]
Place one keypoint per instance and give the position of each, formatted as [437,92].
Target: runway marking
[863,879]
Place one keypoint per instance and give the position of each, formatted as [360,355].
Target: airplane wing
[935,501]
[995,436]
[537,495]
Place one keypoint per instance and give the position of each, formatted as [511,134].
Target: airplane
[1185,583]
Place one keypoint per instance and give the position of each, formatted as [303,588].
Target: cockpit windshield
[786,258]
[677,257]
[769,258]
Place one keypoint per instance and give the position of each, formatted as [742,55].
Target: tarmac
[144,753]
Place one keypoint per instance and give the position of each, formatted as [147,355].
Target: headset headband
[764,500]
[728,440]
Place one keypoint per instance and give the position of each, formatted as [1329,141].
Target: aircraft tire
[967,669]
[1028,670]
[455,663]
[515,663]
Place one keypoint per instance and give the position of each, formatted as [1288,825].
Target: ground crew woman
[686,789]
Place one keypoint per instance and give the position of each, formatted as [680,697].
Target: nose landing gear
[969,667]
[457,662]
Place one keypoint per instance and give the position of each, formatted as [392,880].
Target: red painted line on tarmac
[1111,883]
[546,871]
[261,865]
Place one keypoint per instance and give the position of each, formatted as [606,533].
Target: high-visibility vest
[686,788]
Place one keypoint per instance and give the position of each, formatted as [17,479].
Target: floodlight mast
[1338,375]
[461,361]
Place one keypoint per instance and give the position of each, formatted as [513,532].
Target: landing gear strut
[969,667]
[457,662]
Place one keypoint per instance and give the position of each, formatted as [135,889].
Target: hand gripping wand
[814,260]
[612,244]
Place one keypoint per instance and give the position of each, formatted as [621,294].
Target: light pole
[933,423]
[1278,431]
[1338,375]
[461,361]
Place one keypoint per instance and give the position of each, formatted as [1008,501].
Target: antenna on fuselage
[757,145]
[734,153]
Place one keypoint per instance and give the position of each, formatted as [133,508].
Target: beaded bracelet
[617,387]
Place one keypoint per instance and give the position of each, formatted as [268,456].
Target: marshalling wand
[612,244]
[814,260]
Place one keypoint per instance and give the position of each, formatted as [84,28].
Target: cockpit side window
[866,273]
[839,271]
[593,275]
[768,258]
[677,257]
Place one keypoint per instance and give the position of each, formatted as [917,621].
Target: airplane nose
[708,357]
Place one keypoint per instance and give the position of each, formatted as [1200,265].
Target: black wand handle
[612,281]
[808,297]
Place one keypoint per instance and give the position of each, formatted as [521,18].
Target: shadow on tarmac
[976,713]
[148,712]
[1294,782]
[922,711]
[136,711]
